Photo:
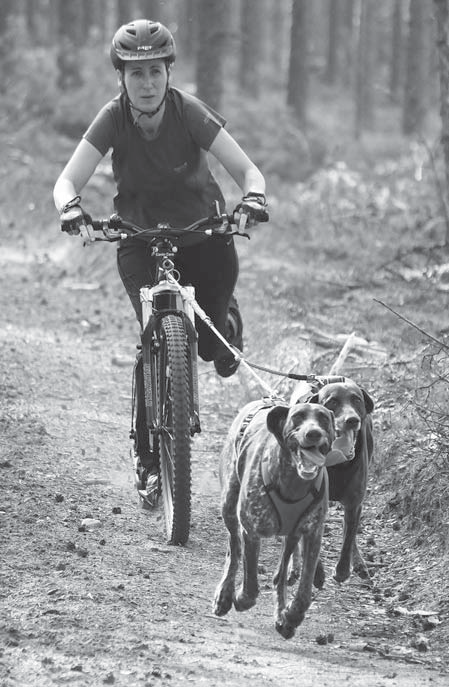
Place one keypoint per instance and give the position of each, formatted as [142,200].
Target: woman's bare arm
[76,173]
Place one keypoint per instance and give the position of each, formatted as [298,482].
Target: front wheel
[173,421]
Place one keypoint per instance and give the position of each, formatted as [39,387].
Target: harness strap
[263,404]
[289,513]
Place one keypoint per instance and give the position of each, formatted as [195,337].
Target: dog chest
[290,513]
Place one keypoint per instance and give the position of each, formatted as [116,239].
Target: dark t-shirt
[167,179]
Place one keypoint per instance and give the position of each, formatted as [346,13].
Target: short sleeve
[102,132]
[202,121]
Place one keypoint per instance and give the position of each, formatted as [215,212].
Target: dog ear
[276,420]
[369,403]
[332,414]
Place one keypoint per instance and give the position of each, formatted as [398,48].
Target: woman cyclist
[160,136]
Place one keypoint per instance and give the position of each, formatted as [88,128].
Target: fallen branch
[338,364]
[412,324]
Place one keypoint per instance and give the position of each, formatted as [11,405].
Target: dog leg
[290,546]
[293,615]
[320,576]
[349,550]
[359,565]
[224,594]
[249,590]
[294,570]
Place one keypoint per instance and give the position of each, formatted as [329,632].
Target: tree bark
[364,106]
[213,22]
[332,65]
[251,41]
[151,9]
[442,26]
[123,13]
[68,60]
[396,50]
[417,69]
[298,77]
[6,43]
[187,36]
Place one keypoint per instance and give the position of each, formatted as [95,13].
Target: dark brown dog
[274,482]
[352,407]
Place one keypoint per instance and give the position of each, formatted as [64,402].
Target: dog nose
[313,435]
[352,421]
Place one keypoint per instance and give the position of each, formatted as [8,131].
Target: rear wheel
[173,420]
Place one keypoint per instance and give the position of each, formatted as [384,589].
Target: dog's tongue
[345,443]
[342,449]
[313,455]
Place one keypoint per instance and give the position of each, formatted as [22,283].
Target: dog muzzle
[343,449]
[309,463]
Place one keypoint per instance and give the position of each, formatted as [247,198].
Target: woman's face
[145,82]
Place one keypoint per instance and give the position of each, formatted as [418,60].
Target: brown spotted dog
[274,483]
[347,466]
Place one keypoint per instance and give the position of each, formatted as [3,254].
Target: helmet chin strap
[144,112]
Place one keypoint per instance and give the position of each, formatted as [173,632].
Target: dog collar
[289,513]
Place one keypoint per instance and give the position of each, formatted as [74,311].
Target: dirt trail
[115,604]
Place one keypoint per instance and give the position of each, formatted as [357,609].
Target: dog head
[306,433]
[350,405]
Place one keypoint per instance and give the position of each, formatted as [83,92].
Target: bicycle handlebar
[116,229]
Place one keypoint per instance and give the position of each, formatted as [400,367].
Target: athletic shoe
[150,494]
[227,365]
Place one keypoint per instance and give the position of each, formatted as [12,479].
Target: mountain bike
[169,356]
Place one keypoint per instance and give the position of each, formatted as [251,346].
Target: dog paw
[363,572]
[285,629]
[341,575]
[243,602]
[319,577]
[222,604]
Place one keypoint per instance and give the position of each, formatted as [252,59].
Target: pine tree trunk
[364,107]
[151,9]
[396,51]
[332,46]
[442,25]
[6,43]
[251,40]
[213,22]
[68,60]
[417,69]
[298,81]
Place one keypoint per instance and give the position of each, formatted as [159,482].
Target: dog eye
[356,400]
[331,404]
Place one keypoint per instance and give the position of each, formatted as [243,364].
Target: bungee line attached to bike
[250,366]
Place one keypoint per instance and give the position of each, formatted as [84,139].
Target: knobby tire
[174,414]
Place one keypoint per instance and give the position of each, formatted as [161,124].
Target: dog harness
[288,513]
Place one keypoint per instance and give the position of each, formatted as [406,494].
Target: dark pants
[212,268]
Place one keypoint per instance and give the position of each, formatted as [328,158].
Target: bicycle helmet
[142,40]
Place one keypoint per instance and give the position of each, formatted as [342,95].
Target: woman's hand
[251,210]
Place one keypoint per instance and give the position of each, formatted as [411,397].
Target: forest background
[317,92]
[344,106]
